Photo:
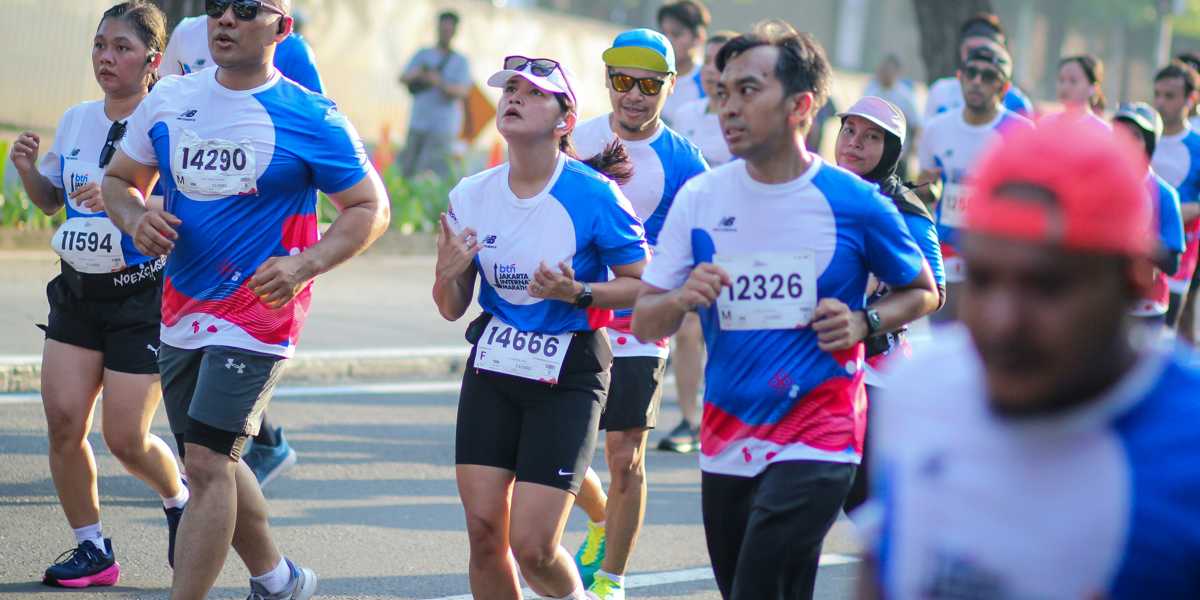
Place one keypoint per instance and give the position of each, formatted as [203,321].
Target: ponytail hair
[613,162]
[1093,69]
[148,23]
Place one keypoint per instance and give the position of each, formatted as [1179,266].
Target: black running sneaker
[84,566]
[683,439]
[173,517]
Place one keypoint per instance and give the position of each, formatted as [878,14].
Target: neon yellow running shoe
[604,588]
[590,553]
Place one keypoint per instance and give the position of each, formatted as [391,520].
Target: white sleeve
[672,260]
[935,98]
[171,63]
[136,143]
[925,148]
[51,164]
[454,209]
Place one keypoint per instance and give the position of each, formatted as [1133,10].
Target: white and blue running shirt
[88,241]
[580,217]
[1102,501]
[772,395]
[241,169]
[951,144]
[687,89]
[703,128]
[662,163]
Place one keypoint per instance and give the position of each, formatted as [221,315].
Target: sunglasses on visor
[244,10]
[542,67]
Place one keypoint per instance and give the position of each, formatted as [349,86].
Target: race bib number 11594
[770,290]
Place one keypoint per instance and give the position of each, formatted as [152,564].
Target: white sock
[578,594]
[276,579]
[180,500]
[617,579]
[90,533]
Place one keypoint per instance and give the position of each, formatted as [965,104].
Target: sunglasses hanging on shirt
[115,133]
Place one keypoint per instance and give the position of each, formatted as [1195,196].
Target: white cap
[880,112]
[559,81]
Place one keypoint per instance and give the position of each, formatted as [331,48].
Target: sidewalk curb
[22,374]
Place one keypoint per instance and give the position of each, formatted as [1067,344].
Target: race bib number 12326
[770,290]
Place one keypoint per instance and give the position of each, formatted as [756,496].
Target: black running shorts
[635,394]
[124,330]
[543,433]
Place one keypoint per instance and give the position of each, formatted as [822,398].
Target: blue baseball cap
[641,49]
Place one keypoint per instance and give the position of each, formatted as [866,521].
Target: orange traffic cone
[383,151]
[497,154]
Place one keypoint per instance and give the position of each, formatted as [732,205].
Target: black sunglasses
[542,67]
[988,76]
[649,86]
[245,10]
[115,133]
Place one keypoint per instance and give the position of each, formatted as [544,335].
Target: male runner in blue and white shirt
[1038,452]
[641,75]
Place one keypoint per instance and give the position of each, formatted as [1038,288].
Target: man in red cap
[1036,451]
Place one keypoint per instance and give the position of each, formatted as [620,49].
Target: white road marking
[423,387]
[682,576]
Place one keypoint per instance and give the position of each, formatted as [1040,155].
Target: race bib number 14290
[213,167]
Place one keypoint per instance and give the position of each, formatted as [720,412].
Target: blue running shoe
[269,462]
[84,566]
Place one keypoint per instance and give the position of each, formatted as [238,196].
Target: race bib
[954,205]
[213,167]
[771,290]
[508,350]
[90,245]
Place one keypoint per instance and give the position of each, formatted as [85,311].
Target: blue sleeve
[1170,219]
[619,234]
[1189,189]
[1016,101]
[892,255]
[924,232]
[336,154]
[295,59]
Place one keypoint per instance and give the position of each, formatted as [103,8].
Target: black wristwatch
[874,323]
[584,299]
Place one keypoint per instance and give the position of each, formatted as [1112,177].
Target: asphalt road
[372,301]
[371,506]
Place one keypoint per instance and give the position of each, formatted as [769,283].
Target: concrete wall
[361,47]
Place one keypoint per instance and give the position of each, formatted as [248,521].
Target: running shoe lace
[593,544]
[78,555]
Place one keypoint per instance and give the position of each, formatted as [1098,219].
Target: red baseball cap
[1067,184]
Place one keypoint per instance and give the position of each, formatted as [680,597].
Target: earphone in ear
[280,30]
[562,124]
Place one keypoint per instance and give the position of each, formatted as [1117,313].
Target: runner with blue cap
[641,66]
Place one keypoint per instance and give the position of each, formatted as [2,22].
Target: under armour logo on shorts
[229,364]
